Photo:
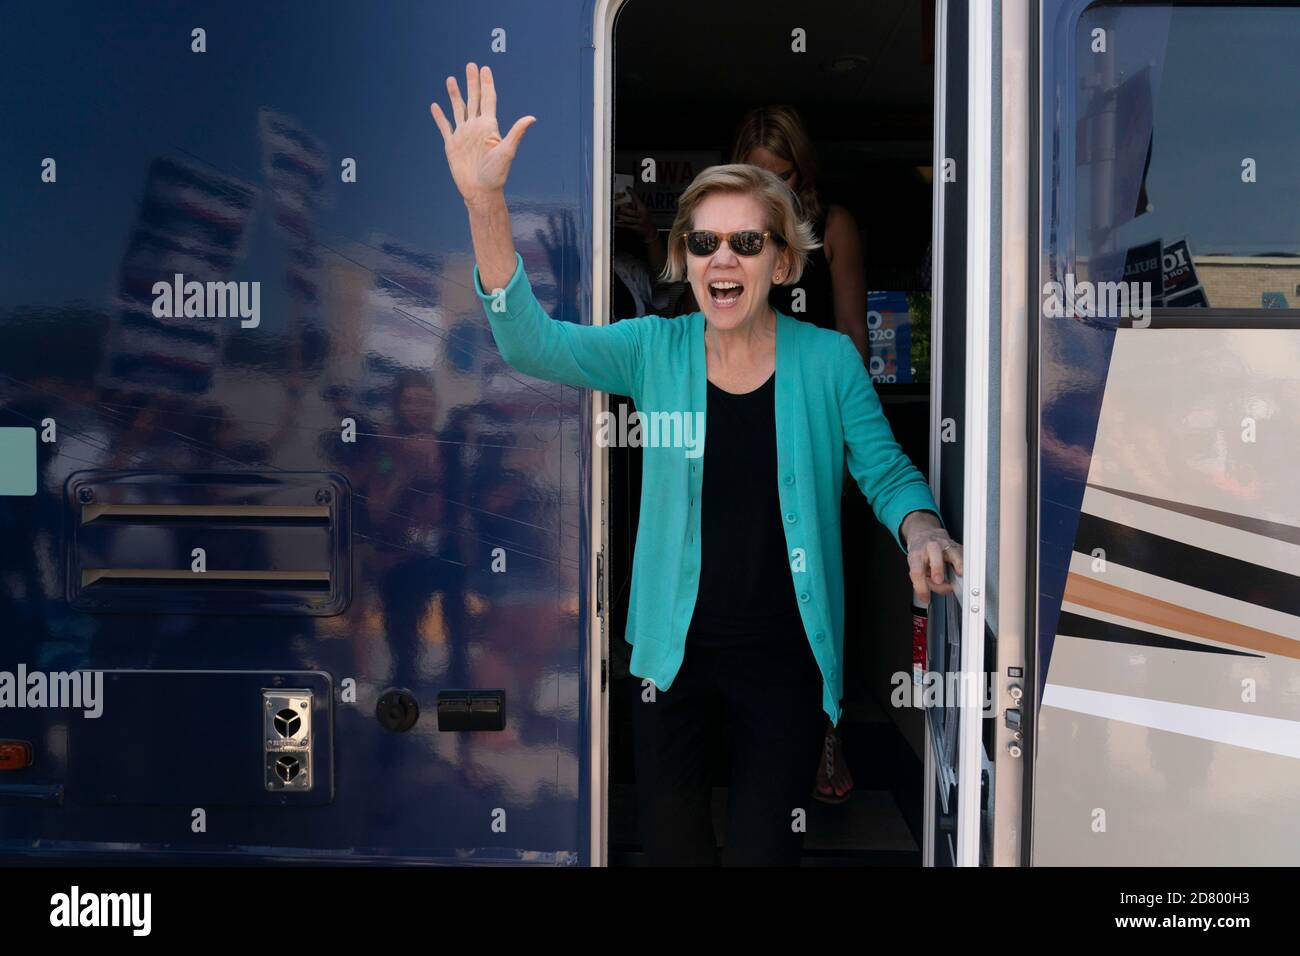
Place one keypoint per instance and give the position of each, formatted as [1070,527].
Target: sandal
[833,772]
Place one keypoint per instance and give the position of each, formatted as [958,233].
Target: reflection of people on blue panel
[404,507]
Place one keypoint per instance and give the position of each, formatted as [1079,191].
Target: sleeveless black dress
[818,303]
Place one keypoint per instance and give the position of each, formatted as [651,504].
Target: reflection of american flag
[193,220]
[404,287]
[409,275]
[293,162]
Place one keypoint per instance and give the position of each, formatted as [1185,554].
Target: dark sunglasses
[745,242]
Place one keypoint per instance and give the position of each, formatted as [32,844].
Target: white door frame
[602,33]
[971,590]
[979,309]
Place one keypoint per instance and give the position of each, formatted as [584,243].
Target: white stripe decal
[1269,734]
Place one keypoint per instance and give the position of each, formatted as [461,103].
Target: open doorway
[862,82]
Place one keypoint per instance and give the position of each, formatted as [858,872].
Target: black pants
[769,693]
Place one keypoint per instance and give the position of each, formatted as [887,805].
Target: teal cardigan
[826,407]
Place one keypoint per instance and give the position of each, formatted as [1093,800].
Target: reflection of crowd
[397,520]
[94,425]
[428,505]
[432,505]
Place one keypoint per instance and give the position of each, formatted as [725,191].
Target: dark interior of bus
[684,75]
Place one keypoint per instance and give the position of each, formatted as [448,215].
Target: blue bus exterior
[329,489]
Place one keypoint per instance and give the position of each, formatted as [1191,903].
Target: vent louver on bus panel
[256,543]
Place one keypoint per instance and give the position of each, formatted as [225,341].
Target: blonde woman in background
[834,281]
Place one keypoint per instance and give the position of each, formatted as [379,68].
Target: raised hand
[476,153]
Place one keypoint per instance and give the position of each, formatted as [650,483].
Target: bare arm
[848,277]
[494,246]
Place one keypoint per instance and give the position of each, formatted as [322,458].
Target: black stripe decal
[1268,529]
[1092,629]
[1186,564]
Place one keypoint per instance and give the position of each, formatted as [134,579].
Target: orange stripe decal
[1122,602]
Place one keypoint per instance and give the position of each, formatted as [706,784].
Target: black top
[818,302]
[746,585]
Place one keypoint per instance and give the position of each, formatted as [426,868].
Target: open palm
[477,154]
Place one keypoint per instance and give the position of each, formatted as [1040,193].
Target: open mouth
[725,294]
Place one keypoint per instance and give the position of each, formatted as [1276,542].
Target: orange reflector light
[15,754]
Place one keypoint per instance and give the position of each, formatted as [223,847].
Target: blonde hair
[781,131]
[778,203]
